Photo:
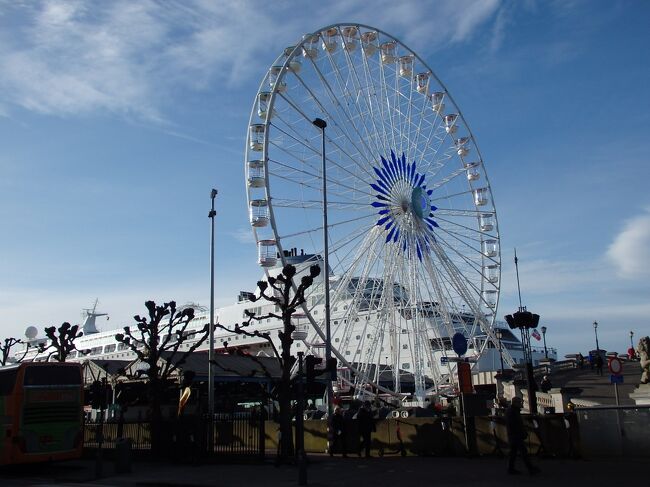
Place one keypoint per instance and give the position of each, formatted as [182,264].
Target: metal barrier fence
[240,434]
[236,434]
[614,430]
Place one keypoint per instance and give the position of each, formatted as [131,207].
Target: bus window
[7,381]
[45,376]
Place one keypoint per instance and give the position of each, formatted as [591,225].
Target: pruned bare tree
[161,335]
[287,301]
[61,341]
[5,350]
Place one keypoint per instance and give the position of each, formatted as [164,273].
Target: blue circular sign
[459,344]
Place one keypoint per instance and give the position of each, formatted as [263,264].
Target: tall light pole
[544,336]
[596,332]
[321,124]
[499,335]
[211,215]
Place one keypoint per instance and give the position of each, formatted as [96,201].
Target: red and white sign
[615,366]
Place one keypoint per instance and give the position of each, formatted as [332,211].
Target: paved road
[599,388]
[339,472]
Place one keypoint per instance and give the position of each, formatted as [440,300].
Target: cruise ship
[353,333]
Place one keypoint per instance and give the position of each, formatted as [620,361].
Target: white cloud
[66,58]
[630,251]
[243,235]
[545,276]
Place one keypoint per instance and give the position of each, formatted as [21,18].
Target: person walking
[366,424]
[517,438]
[599,364]
[545,385]
[338,436]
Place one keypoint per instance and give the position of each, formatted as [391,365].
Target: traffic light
[310,367]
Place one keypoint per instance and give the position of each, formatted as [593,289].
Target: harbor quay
[341,472]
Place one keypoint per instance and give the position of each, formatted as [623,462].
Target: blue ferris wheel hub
[404,205]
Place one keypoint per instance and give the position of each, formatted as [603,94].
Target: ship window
[406,366]
[95,350]
[109,348]
[336,322]
[358,337]
[122,346]
[72,355]
[405,346]
[337,340]
[347,352]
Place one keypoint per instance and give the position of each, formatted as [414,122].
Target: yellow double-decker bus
[41,412]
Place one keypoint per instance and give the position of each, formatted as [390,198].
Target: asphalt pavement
[339,472]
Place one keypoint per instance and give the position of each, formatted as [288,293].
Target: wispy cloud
[70,58]
[243,235]
[630,251]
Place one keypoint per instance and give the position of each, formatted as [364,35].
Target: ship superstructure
[352,330]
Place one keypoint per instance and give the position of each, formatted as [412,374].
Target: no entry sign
[615,366]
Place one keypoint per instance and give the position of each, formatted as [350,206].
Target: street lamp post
[321,124]
[544,336]
[596,332]
[211,215]
[499,335]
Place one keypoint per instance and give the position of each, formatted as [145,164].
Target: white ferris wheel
[413,237]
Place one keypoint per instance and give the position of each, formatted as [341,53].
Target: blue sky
[116,119]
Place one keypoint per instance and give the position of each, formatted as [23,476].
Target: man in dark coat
[366,424]
[339,437]
[517,438]
[599,363]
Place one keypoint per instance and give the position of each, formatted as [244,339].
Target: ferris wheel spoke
[336,104]
[458,212]
[300,159]
[330,225]
[343,89]
[459,281]
[390,107]
[374,132]
[376,102]
[462,257]
[333,142]
[331,182]
[460,225]
[447,197]
[412,150]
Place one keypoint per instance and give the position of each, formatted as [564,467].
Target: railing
[240,434]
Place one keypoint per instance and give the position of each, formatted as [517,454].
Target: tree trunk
[284,399]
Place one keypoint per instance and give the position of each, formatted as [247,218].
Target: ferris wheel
[414,250]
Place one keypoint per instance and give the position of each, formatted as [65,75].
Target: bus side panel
[7,426]
[50,424]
